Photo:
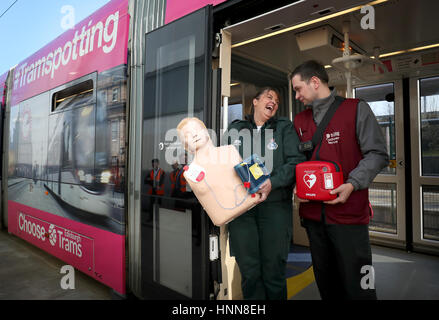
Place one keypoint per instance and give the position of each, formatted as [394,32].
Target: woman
[260,238]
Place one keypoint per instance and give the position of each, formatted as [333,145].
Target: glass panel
[176,238]
[235,113]
[430,126]
[65,155]
[72,147]
[381,99]
[382,197]
[28,151]
[110,131]
[176,74]
[430,214]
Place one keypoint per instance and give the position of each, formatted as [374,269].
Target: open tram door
[175,261]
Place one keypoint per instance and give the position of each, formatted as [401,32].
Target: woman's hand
[264,190]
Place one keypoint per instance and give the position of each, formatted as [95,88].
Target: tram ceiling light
[301,25]
[408,50]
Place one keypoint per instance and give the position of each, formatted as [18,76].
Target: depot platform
[28,273]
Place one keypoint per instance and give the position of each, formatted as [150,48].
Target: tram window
[429,116]
[381,100]
[78,94]
[430,218]
[235,113]
[115,96]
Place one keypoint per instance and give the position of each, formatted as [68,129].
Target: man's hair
[309,69]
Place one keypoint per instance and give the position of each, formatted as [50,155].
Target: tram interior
[399,26]
[405,39]
[404,27]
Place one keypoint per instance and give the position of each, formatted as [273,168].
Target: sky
[31,24]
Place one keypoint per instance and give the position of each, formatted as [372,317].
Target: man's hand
[344,191]
[264,190]
[299,199]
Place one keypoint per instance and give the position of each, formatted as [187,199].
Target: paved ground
[399,276]
[28,273]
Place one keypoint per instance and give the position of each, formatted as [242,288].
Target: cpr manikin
[211,174]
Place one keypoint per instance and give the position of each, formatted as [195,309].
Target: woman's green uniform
[260,238]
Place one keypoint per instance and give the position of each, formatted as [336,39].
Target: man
[155,179]
[178,182]
[338,229]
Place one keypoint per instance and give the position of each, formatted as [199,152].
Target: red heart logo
[310,180]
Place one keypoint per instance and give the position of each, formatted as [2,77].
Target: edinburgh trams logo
[59,237]
[52,235]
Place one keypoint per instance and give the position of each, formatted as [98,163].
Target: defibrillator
[316,179]
[252,172]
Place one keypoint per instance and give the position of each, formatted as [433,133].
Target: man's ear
[315,81]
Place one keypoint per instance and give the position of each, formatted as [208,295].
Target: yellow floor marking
[298,283]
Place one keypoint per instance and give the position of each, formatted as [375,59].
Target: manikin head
[193,133]
[310,82]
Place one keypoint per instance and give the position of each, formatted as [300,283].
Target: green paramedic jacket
[281,144]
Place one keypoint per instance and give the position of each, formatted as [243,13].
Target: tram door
[387,192]
[415,226]
[424,122]
[174,231]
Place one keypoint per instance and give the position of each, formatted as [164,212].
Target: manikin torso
[213,179]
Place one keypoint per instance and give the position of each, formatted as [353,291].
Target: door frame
[400,238]
[419,243]
[201,276]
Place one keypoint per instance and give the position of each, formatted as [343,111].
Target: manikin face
[306,92]
[266,106]
[194,135]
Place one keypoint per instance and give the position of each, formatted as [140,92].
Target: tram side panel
[66,167]
[3,88]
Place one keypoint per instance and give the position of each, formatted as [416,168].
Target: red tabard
[339,144]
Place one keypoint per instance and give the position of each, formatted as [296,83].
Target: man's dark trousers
[339,254]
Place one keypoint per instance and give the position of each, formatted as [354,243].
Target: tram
[86,116]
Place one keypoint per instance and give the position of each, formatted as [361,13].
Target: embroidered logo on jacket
[333,138]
